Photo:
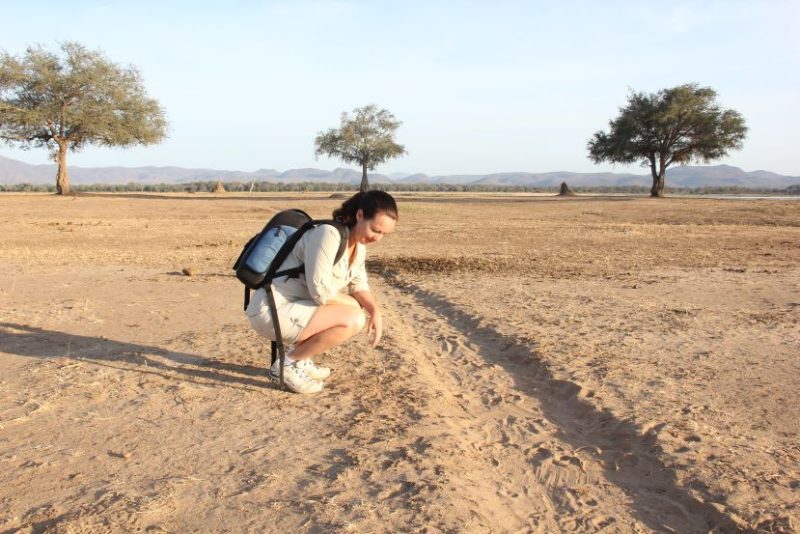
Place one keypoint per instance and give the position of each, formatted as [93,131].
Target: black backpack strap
[246,297]
[344,232]
[277,345]
[291,273]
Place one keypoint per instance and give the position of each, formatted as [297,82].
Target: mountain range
[15,172]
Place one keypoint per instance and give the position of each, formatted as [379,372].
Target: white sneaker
[295,378]
[313,370]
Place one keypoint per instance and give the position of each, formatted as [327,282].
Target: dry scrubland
[587,365]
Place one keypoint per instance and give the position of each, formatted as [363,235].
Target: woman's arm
[375,324]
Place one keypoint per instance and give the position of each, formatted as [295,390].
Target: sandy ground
[573,365]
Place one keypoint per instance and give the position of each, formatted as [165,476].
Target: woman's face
[367,231]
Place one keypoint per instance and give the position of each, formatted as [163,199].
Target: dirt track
[582,365]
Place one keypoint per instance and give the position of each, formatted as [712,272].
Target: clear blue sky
[480,86]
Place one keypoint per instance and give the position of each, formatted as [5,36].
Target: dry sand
[549,365]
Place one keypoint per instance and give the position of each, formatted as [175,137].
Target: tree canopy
[366,138]
[675,125]
[74,98]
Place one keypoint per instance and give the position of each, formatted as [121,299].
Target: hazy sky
[480,87]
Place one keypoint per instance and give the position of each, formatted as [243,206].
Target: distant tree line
[319,187]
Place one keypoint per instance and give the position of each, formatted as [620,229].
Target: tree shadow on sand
[630,458]
[30,341]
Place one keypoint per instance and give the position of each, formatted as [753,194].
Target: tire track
[540,447]
[496,454]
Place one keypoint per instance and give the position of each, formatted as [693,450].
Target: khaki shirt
[322,279]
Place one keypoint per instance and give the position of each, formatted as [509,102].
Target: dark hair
[370,202]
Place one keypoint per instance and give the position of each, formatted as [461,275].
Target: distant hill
[15,172]
[550,179]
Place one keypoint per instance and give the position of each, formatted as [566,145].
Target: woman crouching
[325,306]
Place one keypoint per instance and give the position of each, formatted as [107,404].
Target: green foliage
[366,138]
[68,100]
[27,188]
[676,125]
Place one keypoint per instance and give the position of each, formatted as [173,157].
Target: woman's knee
[357,320]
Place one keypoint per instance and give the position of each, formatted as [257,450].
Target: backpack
[261,258]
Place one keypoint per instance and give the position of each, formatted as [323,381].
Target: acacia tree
[675,125]
[366,138]
[68,100]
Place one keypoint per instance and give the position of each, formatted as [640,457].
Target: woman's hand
[375,328]
[375,321]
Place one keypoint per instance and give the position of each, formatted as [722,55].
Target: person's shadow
[34,342]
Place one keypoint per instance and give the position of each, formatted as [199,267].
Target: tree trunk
[658,186]
[364,182]
[62,178]
[657,191]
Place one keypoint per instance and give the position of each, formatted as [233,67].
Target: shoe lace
[300,370]
[307,365]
